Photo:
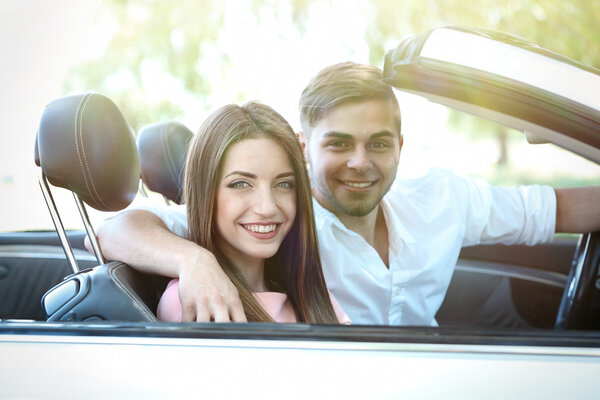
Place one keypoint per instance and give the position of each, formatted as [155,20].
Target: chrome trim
[519,272]
[310,345]
[583,247]
[89,229]
[60,230]
[52,256]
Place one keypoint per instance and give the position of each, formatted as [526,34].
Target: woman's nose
[265,203]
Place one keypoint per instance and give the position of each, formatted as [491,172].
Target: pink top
[276,304]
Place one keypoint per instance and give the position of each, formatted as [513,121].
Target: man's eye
[338,144]
[380,145]
[238,185]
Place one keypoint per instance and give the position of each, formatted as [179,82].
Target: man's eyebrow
[382,134]
[340,135]
[347,136]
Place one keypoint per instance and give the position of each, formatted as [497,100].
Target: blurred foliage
[568,28]
[173,38]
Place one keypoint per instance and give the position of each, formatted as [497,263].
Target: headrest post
[60,230]
[89,229]
[142,189]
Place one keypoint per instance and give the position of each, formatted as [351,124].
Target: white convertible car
[93,334]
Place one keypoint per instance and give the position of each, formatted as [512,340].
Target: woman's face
[256,200]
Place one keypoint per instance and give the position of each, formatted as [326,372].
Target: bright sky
[42,40]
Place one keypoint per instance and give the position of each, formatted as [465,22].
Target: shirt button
[397,291]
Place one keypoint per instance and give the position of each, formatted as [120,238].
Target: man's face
[353,153]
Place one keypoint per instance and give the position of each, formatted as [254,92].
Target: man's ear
[302,141]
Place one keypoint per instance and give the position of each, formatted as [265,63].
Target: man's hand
[140,239]
[207,293]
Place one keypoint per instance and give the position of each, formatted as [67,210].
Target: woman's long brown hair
[296,267]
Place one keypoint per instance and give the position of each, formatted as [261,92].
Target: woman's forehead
[257,155]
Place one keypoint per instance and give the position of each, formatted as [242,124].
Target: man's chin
[357,208]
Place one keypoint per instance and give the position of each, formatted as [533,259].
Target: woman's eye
[238,185]
[286,184]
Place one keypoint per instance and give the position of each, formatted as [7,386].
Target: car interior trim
[519,272]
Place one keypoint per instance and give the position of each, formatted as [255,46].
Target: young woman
[248,201]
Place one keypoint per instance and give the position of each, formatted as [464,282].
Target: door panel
[30,264]
[498,286]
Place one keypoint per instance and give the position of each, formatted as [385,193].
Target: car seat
[162,149]
[85,145]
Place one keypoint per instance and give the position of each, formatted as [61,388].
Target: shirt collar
[324,216]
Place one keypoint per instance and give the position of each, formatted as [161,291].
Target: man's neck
[372,227]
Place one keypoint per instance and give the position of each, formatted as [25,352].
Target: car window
[439,136]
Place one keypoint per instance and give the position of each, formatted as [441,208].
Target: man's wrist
[193,257]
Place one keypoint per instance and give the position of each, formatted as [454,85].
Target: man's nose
[359,160]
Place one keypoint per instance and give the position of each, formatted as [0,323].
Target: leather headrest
[163,147]
[85,145]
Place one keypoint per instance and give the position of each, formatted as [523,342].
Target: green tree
[159,39]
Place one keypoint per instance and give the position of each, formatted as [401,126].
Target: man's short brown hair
[342,83]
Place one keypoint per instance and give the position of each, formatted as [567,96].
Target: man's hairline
[306,128]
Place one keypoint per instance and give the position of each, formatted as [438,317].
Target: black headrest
[163,147]
[85,145]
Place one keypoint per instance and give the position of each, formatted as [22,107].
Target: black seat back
[85,145]
[162,149]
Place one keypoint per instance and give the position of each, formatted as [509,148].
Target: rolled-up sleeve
[173,216]
[523,215]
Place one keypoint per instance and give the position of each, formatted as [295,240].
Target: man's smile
[359,185]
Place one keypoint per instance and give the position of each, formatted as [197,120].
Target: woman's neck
[253,270]
[254,273]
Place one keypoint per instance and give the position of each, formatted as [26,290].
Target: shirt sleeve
[496,214]
[174,217]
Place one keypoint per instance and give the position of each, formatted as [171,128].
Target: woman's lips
[262,231]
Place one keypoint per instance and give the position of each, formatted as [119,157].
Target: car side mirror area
[109,292]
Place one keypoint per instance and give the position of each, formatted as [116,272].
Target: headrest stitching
[77,127]
[93,192]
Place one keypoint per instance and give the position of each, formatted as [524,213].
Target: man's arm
[141,240]
[578,209]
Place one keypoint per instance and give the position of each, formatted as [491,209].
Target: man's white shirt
[429,219]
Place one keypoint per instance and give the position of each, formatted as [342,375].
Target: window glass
[435,135]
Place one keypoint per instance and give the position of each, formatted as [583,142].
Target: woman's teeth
[261,228]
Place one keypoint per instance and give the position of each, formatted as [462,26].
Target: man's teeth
[261,228]
[358,185]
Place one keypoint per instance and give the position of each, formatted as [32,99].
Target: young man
[388,254]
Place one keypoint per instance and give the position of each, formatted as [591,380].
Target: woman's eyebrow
[285,174]
[242,173]
[254,176]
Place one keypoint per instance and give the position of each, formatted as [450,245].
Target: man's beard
[357,206]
